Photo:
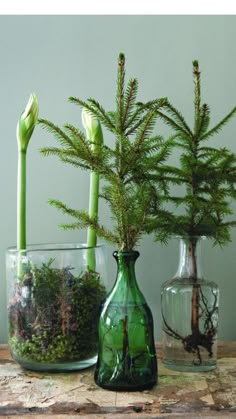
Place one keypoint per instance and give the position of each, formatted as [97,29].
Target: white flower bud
[27,122]
[92,127]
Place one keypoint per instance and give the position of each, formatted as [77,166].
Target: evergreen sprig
[207,174]
[128,167]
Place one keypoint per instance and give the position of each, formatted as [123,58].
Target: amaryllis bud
[92,127]
[27,122]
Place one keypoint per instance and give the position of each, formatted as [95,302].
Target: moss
[53,317]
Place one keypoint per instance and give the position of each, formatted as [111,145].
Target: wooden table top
[25,394]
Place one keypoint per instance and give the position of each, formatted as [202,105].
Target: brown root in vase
[193,342]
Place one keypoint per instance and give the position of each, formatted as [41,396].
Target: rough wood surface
[73,395]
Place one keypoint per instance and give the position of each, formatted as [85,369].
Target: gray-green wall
[60,56]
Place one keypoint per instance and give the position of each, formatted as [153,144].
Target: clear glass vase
[126,353]
[190,314]
[54,294]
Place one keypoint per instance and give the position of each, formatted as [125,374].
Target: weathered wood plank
[225,349]
[29,394]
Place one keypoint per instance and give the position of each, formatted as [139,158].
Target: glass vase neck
[126,256]
[126,268]
[190,258]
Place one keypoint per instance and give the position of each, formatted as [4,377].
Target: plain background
[62,56]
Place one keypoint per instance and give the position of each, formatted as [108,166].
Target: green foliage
[207,174]
[128,168]
[57,322]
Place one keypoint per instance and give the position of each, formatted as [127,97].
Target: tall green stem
[21,201]
[95,138]
[93,212]
[24,131]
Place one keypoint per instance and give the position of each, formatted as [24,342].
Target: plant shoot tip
[121,59]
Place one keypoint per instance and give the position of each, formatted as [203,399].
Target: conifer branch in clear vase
[206,177]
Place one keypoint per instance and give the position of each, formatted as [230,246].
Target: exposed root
[197,339]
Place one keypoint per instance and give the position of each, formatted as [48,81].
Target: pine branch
[83,221]
[169,121]
[139,115]
[94,108]
[163,152]
[219,126]
[79,138]
[204,120]
[101,114]
[57,132]
[137,120]
[63,156]
[153,104]
[204,212]
[74,162]
[179,118]
[101,231]
[144,130]
[129,99]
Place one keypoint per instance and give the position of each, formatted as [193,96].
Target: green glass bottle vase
[126,353]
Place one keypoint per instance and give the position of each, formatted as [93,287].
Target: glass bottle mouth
[47,247]
[126,254]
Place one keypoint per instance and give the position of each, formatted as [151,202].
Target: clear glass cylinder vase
[54,294]
[126,353]
[189,306]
